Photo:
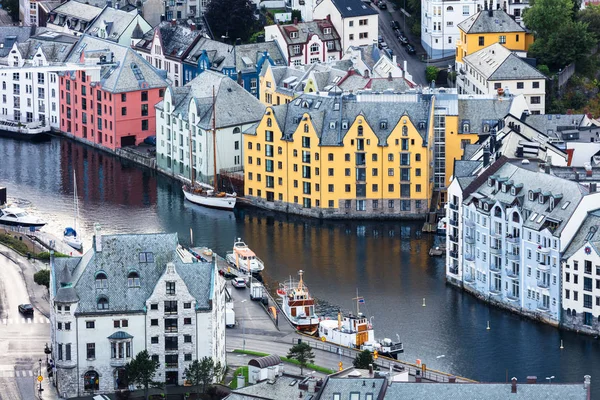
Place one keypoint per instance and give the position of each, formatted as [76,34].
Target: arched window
[449,8]
[569,312]
[101,280]
[102,303]
[236,130]
[91,381]
[133,279]
[269,122]
[314,48]
[573,313]
[360,130]
[497,212]
[516,217]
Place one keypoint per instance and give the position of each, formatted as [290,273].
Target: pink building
[111,103]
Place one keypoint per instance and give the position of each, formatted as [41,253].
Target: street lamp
[549,378]
[40,390]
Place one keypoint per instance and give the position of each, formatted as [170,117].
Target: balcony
[469,222]
[495,249]
[453,238]
[469,257]
[495,292]
[513,239]
[119,362]
[543,284]
[511,273]
[469,239]
[453,206]
[512,297]
[469,278]
[454,254]
[453,270]
[453,222]
[543,250]
[513,256]
[495,267]
[497,234]
[544,267]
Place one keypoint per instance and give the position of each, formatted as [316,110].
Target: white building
[306,42]
[439,25]
[508,227]
[127,294]
[30,85]
[188,111]
[356,23]
[581,278]
[495,69]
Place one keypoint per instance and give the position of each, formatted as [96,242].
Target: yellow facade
[358,177]
[454,144]
[269,95]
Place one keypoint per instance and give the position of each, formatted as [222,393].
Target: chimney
[109,3]
[451,379]
[173,22]
[547,168]
[486,156]
[271,375]
[587,385]
[366,74]
[485,7]
[241,381]
[513,385]
[593,187]
[531,379]
[370,369]
[390,77]
[97,238]
[295,20]
[239,78]
[192,27]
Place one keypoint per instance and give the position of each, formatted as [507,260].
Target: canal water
[386,262]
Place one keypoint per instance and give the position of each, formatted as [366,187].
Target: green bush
[544,69]
[45,255]
[42,278]
[14,243]
[241,370]
[431,73]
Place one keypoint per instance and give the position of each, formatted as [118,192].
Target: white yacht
[244,259]
[18,217]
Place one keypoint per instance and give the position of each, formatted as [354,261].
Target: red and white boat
[298,306]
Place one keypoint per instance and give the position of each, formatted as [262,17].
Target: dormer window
[383,125]
[327,31]
[513,191]
[294,35]
[531,195]
[504,188]
[486,128]
[486,206]
[133,279]
[344,124]
[551,203]
[101,280]
[541,199]
[490,181]
[421,125]
[332,125]
[102,303]
[466,127]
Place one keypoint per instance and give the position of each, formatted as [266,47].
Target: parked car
[238,283]
[403,40]
[410,49]
[383,45]
[395,24]
[398,32]
[26,309]
[382,5]
[379,39]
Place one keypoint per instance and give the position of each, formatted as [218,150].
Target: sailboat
[202,193]
[70,236]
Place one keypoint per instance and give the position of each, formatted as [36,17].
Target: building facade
[306,42]
[185,122]
[508,226]
[343,156]
[112,106]
[356,23]
[127,294]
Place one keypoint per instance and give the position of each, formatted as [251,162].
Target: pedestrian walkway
[24,321]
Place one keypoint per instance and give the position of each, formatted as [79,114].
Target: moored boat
[15,216]
[441,226]
[298,306]
[32,131]
[244,259]
[70,235]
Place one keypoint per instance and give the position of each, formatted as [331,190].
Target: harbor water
[387,262]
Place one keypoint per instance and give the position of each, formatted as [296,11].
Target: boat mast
[357,300]
[300,283]
[191,158]
[75,200]
[214,129]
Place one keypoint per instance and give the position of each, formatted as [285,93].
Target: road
[22,339]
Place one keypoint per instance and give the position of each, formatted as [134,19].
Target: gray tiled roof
[546,122]
[234,105]
[177,40]
[54,51]
[283,388]
[323,115]
[117,21]
[345,386]
[465,168]
[481,111]
[353,8]
[77,10]
[121,75]
[216,51]
[588,233]
[470,150]
[570,192]
[10,35]
[307,29]
[514,67]
[245,56]
[119,256]
[479,391]
[496,62]
[498,22]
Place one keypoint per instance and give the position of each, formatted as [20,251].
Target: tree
[12,7]
[363,359]
[201,372]
[141,370]
[232,18]
[42,278]
[545,16]
[431,73]
[302,352]
[296,15]
[591,16]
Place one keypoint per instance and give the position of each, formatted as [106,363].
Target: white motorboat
[15,216]
[70,235]
[298,306]
[244,259]
[441,226]
[205,195]
[202,193]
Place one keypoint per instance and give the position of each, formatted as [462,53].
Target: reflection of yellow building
[344,156]
[488,27]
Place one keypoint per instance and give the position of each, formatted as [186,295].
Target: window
[187,357]
[481,41]
[502,39]
[59,326]
[187,338]
[144,124]
[154,340]
[124,97]
[170,306]
[187,305]
[117,323]
[171,325]
[91,351]
[144,110]
[520,85]
[535,85]
[154,322]
[90,324]
[535,99]
[133,279]
[154,306]
[101,281]
[144,96]
[102,303]
[170,288]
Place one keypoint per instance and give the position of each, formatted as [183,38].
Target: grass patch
[314,367]
[45,255]
[13,243]
[240,370]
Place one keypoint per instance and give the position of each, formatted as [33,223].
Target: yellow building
[368,155]
[278,84]
[488,27]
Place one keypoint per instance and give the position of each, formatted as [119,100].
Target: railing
[512,256]
[469,222]
[543,284]
[496,250]
[495,268]
[469,239]
[542,266]
[512,239]
[512,273]
[469,257]
[454,254]
[453,270]
[453,238]
[453,222]
[469,278]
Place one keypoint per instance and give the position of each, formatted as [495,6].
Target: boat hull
[31,137]
[73,242]
[36,225]
[308,327]
[220,203]
[230,258]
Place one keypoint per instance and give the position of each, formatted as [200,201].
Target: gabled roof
[586,235]
[76,10]
[177,40]
[53,51]
[477,112]
[496,62]
[245,57]
[216,52]
[305,30]
[353,8]
[128,70]
[115,21]
[10,35]
[490,21]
